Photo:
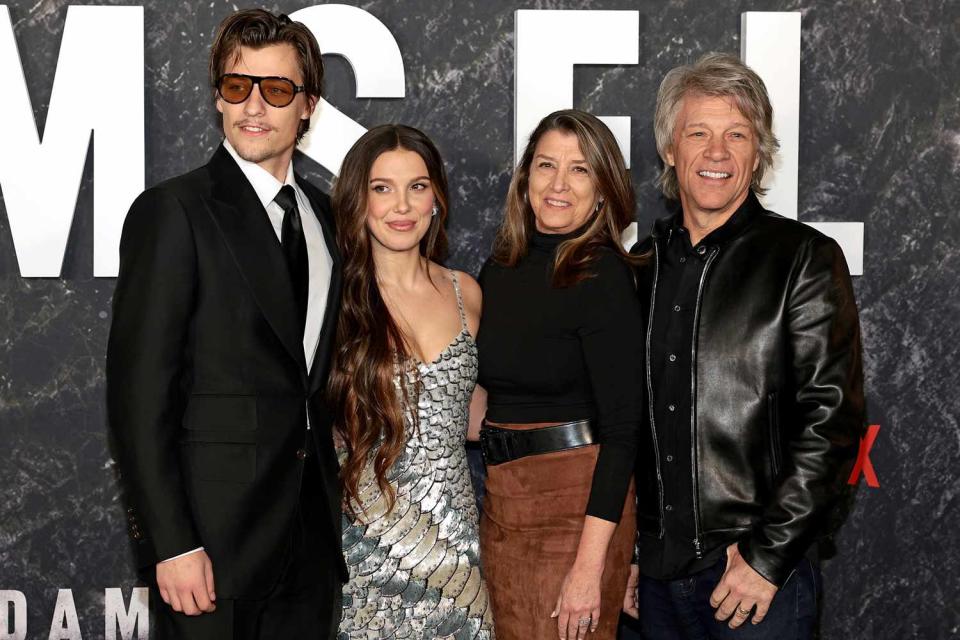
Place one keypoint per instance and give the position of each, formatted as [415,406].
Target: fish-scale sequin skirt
[415,569]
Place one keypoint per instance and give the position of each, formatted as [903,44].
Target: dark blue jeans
[680,609]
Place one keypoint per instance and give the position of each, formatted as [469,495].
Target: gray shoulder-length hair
[715,74]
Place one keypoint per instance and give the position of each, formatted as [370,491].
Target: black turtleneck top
[559,354]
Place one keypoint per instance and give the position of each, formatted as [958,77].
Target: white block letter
[548,43]
[770,45]
[98,88]
[18,602]
[377,65]
[114,614]
[65,625]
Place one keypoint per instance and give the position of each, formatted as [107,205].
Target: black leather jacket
[777,391]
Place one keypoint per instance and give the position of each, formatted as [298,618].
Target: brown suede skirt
[533,514]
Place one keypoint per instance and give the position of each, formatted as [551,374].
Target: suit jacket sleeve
[824,342]
[152,309]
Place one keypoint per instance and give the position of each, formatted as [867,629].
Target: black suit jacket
[208,393]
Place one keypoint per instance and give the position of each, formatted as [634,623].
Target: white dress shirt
[318,256]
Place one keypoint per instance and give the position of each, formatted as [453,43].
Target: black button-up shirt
[680,273]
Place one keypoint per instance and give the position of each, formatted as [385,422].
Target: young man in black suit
[223,319]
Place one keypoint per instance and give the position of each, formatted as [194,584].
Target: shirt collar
[262,181]
[744,214]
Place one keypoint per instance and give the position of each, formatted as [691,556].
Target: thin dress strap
[456,287]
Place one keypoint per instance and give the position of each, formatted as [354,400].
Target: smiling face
[399,201]
[715,153]
[561,187]
[259,132]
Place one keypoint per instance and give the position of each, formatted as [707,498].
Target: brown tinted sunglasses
[275,90]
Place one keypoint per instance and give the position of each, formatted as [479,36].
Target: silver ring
[583,622]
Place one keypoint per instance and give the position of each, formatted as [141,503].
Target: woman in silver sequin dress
[402,383]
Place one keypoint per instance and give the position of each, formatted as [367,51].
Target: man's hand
[186,583]
[630,605]
[740,590]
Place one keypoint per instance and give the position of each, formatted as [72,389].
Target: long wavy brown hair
[371,347]
[603,228]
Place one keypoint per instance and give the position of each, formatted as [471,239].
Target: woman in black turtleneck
[561,357]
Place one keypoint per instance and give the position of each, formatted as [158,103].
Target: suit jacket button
[301,454]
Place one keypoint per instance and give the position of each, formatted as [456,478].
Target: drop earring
[435,211]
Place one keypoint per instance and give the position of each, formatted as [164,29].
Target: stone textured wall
[880,143]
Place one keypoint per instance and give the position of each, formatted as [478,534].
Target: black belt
[503,445]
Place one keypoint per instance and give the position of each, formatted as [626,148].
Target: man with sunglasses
[223,321]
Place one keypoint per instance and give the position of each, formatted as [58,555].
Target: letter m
[137,617]
[97,89]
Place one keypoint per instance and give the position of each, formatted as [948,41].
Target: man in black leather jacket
[754,377]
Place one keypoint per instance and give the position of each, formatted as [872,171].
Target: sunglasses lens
[235,89]
[278,92]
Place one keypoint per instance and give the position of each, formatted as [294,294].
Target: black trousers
[306,602]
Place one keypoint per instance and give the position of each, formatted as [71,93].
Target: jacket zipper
[697,540]
[773,419]
[653,426]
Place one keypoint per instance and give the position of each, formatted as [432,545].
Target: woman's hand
[578,605]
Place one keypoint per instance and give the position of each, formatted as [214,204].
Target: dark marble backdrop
[880,143]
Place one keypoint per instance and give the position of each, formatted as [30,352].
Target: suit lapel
[321,359]
[254,246]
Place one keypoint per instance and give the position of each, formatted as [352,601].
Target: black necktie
[294,246]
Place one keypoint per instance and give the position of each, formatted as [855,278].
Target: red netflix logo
[863,464]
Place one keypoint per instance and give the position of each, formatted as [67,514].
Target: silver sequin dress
[415,571]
